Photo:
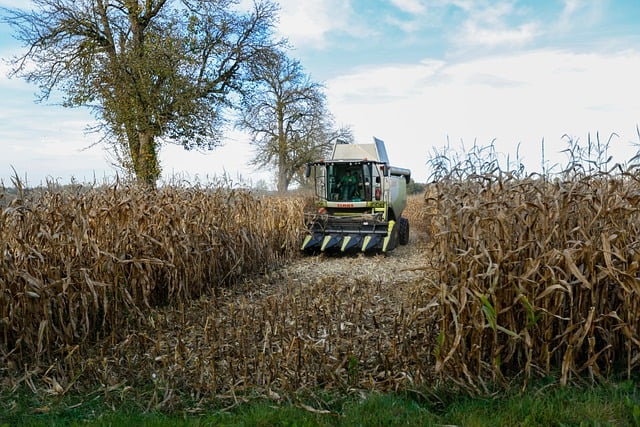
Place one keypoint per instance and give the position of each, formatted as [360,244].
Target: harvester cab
[359,199]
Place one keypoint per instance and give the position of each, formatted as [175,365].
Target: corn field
[78,268]
[201,292]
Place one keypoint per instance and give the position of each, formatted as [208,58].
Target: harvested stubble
[83,267]
[317,324]
[537,277]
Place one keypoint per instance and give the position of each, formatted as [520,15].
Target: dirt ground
[404,264]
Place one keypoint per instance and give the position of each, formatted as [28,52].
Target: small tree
[151,70]
[415,187]
[286,116]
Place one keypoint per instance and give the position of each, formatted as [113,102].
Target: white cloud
[381,84]
[477,35]
[14,4]
[520,98]
[493,24]
[409,26]
[228,161]
[416,7]
[580,13]
[309,22]
[570,6]
[4,74]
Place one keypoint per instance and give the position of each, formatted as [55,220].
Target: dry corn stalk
[79,266]
[537,277]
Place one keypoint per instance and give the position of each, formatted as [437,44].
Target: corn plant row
[536,277]
[80,267]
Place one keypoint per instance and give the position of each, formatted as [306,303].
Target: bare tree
[152,71]
[286,116]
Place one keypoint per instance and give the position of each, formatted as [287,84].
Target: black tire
[403,231]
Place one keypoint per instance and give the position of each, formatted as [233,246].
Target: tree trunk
[145,159]
[283,182]
[283,175]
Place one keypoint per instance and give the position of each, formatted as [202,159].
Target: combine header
[360,199]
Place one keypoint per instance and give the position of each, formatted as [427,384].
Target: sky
[420,74]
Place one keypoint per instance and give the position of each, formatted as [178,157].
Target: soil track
[404,264]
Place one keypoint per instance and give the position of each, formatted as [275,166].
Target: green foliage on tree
[152,71]
[286,115]
[415,187]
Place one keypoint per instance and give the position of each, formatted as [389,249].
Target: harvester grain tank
[360,198]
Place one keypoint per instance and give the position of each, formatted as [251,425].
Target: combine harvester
[360,199]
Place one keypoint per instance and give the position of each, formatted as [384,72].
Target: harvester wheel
[403,231]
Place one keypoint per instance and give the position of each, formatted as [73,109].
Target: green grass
[612,405]
[607,405]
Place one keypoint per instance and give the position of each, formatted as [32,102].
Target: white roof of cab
[375,151]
